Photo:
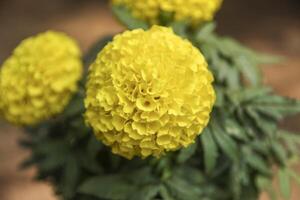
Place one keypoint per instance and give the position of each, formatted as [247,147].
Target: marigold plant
[194,11]
[184,109]
[39,78]
[149,92]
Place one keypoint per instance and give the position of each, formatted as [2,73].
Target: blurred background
[271,26]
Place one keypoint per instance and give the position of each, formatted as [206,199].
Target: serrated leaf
[225,142]
[246,123]
[284,183]
[254,93]
[205,31]
[113,187]
[186,153]
[249,70]
[279,153]
[235,130]
[233,78]
[284,134]
[126,18]
[260,146]
[265,125]
[210,150]
[257,163]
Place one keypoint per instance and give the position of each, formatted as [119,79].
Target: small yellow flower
[194,11]
[148,92]
[39,78]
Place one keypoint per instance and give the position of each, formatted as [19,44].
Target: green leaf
[265,125]
[205,31]
[182,189]
[74,108]
[291,141]
[225,142]
[180,28]
[210,150]
[284,183]
[235,184]
[28,162]
[265,184]
[294,175]
[260,146]
[165,18]
[147,192]
[52,154]
[91,55]
[126,18]
[257,162]
[93,146]
[70,178]
[235,130]
[113,187]
[253,93]
[249,70]
[279,153]
[246,123]
[276,106]
[186,153]
[220,101]
[165,193]
[191,174]
[269,59]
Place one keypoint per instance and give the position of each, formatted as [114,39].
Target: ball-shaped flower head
[148,92]
[39,78]
[194,11]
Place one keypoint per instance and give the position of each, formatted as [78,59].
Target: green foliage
[284,183]
[126,18]
[231,160]
[210,150]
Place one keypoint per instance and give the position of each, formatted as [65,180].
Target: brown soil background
[271,26]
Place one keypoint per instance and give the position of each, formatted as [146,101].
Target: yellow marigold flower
[39,78]
[148,92]
[195,11]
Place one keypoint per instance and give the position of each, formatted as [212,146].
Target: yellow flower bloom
[195,11]
[39,78]
[148,92]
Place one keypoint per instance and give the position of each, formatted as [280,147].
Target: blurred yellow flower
[194,11]
[39,78]
[148,92]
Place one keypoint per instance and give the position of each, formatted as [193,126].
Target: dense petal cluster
[39,78]
[148,92]
[194,11]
